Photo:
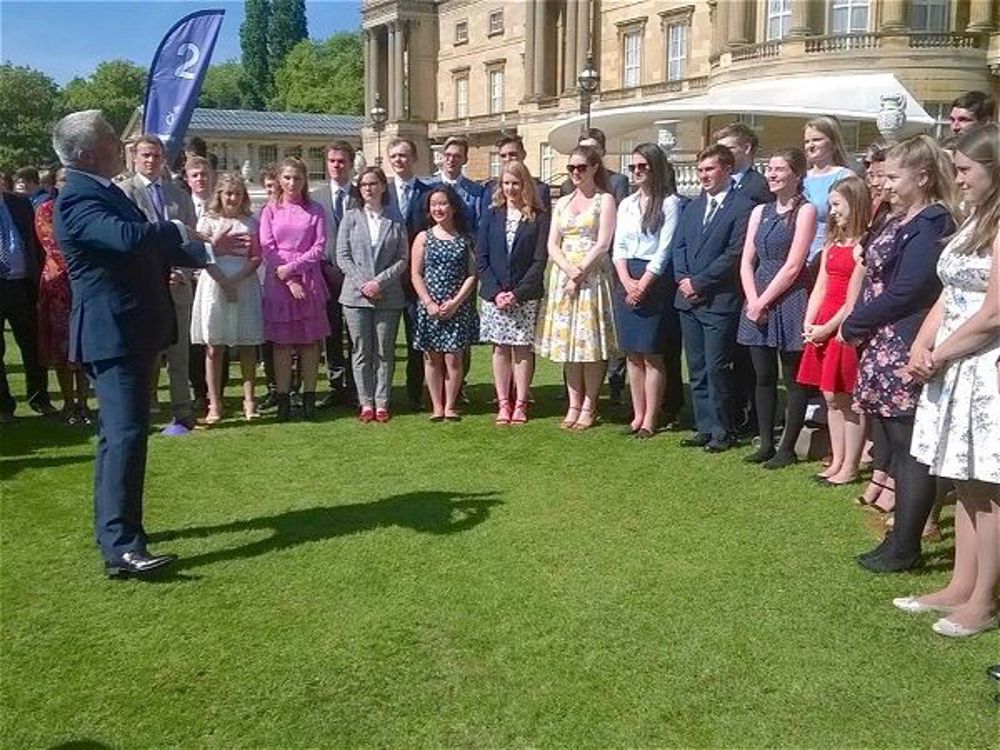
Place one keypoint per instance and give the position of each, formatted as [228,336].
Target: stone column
[397,84]
[569,45]
[893,16]
[392,104]
[720,27]
[529,49]
[370,83]
[583,40]
[541,64]
[980,16]
[741,21]
[801,25]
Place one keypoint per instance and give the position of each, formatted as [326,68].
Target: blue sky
[68,38]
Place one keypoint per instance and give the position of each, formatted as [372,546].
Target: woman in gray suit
[372,251]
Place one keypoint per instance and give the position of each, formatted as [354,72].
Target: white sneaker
[914,606]
[950,629]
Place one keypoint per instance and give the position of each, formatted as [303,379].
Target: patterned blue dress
[447,264]
[781,326]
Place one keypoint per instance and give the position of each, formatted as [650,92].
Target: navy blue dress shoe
[718,445]
[136,564]
[698,440]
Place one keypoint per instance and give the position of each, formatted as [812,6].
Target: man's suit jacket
[753,185]
[470,193]
[323,195]
[121,299]
[519,271]
[415,218]
[386,260]
[620,187]
[710,255]
[177,204]
[23,215]
[542,190]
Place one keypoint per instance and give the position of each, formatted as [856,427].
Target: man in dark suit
[510,148]
[161,199]
[454,156]
[741,139]
[122,318]
[336,196]
[21,261]
[406,205]
[706,253]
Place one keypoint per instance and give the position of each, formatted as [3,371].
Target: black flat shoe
[760,456]
[643,434]
[452,417]
[889,563]
[436,418]
[780,460]
[136,564]
[718,446]
[994,671]
[698,440]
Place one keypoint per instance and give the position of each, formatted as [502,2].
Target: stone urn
[891,116]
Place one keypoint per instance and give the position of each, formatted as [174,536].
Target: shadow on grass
[430,512]
[22,442]
[81,745]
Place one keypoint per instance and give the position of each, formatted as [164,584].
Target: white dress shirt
[374,219]
[403,201]
[632,242]
[718,198]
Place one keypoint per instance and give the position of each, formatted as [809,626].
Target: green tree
[116,87]
[221,88]
[322,77]
[256,82]
[288,28]
[29,105]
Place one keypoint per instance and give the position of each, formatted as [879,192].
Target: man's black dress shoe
[136,564]
[889,563]
[718,446]
[994,671]
[698,440]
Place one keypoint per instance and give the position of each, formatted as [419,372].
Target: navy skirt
[643,329]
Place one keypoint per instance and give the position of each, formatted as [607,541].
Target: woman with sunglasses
[577,327]
[644,229]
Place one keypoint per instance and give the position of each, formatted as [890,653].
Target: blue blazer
[522,269]
[911,285]
[415,219]
[710,256]
[754,186]
[470,193]
[118,263]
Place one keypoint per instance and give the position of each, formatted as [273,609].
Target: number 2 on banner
[192,54]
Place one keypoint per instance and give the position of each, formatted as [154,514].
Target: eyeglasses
[633,168]
[574,168]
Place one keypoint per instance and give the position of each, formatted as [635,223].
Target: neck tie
[157,196]
[713,206]
[404,204]
[338,206]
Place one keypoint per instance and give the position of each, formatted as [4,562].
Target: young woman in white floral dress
[578,326]
[957,427]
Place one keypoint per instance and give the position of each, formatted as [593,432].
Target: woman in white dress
[227,304]
[957,427]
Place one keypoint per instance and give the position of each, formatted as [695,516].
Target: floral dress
[54,298]
[579,328]
[447,264]
[957,427]
[880,390]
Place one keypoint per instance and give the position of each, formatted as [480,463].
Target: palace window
[546,160]
[267,156]
[929,15]
[495,25]
[625,148]
[632,70]
[494,163]
[849,16]
[316,163]
[779,18]
[495,78]
[462,32]
[462,96]
[677,50]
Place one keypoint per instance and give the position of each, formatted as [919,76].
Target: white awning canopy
[848,96]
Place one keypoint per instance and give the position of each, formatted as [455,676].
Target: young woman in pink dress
[827,361]
[293,242]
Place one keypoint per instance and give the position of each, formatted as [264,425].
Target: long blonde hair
[299,166]
[530,205]
[855,192]
[228,179]
[921,153]
[982,145]
[830,128]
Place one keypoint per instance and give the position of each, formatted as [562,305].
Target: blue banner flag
[176,75]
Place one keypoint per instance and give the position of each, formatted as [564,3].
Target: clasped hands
[284,273]
[685,287]
[442,310]
[635,291]
[371,289]
[574,279]
[817,334]
[756,312]
[505,300]
[923,365]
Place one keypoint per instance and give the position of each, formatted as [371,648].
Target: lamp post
[378,115]
[589,81]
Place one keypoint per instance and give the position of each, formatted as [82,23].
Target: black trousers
[673,395]
[414,358]
[339,374]
[18,307]
[765,365]
[915,488]
[744,387]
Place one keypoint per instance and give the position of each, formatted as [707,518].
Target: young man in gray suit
[337,195]
[162,200]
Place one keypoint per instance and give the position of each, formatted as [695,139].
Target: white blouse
[374,222]
[632,242]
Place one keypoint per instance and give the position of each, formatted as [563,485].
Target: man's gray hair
[78,132]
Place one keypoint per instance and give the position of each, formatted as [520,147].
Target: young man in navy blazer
[454,156]
[122,317]
[511,148]
[706,253]
[406,204]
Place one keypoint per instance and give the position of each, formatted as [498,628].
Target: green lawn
[463,585]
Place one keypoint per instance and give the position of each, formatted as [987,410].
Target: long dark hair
[593,157]
[660,178]
[457,209]
[795,158]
